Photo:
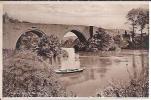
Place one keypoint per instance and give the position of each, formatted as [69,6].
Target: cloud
[105,14]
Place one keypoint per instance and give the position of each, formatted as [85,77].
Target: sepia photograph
[75,49]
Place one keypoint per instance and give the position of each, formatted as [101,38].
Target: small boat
[65,71]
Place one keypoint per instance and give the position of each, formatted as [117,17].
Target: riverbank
[27,75]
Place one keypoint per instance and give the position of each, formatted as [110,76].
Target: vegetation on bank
[25,71]
[27,75]
[45,46]
[48,46]
[138,19]
[102,41]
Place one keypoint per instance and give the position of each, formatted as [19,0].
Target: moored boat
[65,71]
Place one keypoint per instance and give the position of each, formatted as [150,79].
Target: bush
[80,46]
[135,88]
[144,43]
[27,75]
[45,46]
[48,47]
[100,41]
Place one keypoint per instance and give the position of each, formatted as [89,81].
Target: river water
[100,70]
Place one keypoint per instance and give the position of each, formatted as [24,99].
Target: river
[100,70]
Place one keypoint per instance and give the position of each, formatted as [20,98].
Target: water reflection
[71,61]
[99,70]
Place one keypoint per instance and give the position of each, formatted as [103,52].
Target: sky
[110,15]
[68,34]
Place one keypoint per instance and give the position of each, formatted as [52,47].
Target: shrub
[27,75]
[80,46]
[100,41]
[45,46]
[144,43]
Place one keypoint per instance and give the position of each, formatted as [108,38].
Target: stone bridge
[12,31]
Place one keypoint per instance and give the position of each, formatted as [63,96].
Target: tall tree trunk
[133,33]
[141,38]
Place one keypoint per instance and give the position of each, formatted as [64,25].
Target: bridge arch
[69,42]
[36,32]
[79,35]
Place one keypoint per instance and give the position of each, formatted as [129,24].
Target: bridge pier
[91,31]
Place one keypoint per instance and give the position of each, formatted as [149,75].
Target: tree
[132,18]
[142,20]
[138,17]
[48,46]
[100,41]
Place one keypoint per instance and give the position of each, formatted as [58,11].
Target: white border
[60,2]
[73,2]
[1,68]
[149,49]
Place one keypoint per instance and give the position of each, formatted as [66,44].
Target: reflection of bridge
[12,31]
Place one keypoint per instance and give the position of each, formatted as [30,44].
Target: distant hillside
[7,18]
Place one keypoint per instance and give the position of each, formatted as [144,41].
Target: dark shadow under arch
[39,33]
[79,35]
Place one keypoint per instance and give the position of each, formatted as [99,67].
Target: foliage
[100,41]
[48,46]
[142,18]
[132,16]
[80,46]
[118,41]
[27,75]
[138,18]
[135,88]
[45,46]
[141,42]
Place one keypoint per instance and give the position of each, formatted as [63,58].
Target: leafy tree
[138,18]
[143,20]
[132,17]
[45,46]
[100,41]
[79,46]
[48,46]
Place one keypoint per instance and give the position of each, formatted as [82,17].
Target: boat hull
[68,71]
